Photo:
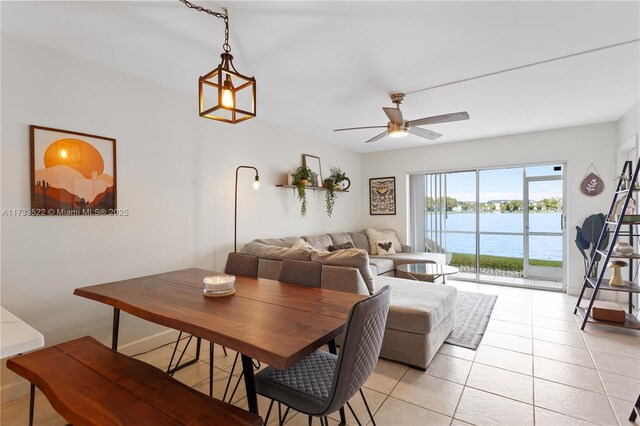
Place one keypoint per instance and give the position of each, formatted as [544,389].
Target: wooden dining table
[270,321]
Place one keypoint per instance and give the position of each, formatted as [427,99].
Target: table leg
[116,327]
[333,350]
[32,396]
[250,384]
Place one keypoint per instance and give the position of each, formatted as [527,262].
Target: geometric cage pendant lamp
[224,94]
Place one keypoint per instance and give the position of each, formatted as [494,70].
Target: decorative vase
[304,182]
[616,279]
[623,249]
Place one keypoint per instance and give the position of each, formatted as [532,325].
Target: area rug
[473,311]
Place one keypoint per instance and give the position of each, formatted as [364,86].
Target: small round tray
[219,294]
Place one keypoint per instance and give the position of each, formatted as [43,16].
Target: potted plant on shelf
[332,183]
[301,179]
[624,178]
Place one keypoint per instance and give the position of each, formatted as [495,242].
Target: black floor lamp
[256,185]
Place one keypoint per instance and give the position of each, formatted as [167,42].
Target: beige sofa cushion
[382,265]
[417,307]
[376,235]
[340,238]
[274,252]
[355,258]
[321,242]
[360,240]
[279,242]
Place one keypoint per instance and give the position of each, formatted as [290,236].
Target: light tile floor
[534,366]
[529,282]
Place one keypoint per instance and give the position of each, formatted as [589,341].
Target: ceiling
[326,65]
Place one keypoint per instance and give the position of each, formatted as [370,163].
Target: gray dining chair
[237,264]
[322,383]
[302,272]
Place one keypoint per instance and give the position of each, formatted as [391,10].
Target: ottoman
[421,316]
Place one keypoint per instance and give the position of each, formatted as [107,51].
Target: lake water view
[540,247]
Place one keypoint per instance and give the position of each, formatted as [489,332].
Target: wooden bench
[90,384]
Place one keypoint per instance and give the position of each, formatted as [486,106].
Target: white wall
[175,175]
[629,125]
[578,146]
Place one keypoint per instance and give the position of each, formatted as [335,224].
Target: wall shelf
[314,188]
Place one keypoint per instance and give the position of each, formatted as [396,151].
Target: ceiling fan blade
[358,128]
[375,138]
[394,114]
[444,118]
[424,133]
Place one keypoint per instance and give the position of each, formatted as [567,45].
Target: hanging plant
[332,183]
[330,196]
[300,179]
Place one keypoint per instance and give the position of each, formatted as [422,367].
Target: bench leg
[250,384]
[211,369]
[32,396]
[116,327]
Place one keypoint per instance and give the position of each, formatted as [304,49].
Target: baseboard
[20,387]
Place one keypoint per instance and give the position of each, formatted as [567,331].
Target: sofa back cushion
[340,238]
[360,240]
[279,242]
[377,235]
[355,258]
[321,242]
[265,251]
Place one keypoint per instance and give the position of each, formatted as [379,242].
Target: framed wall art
[72,173]
[382,196]
[313,162]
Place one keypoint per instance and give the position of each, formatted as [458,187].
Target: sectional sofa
[421,315]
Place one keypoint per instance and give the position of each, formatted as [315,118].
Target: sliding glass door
[503,226]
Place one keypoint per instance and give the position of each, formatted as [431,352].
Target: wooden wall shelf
[310,187]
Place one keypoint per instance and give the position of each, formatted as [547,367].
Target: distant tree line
[453,205]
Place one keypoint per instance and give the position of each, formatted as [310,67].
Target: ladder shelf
[599,283]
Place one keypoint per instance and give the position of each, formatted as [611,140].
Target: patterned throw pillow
[385,247]
[375,235]
[344,246]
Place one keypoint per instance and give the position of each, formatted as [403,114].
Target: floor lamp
[256,185]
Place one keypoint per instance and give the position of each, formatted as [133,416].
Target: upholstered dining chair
[237,264]
[302,272]
[322,383]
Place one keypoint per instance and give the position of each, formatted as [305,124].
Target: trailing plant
[331,184]
[300,179]
[330,196]
[587,239]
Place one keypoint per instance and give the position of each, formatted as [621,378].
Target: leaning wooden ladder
[617,222]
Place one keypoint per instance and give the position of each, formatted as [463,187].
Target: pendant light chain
[224,16]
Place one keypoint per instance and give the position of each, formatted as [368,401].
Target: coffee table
[427,271]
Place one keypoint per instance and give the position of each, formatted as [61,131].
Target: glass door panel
[544,230]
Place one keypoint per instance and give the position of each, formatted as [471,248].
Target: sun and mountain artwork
[72,173]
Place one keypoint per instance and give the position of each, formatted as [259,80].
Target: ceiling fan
[398,127]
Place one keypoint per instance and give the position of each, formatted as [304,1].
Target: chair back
[360,350]
[302,272]
[241,264]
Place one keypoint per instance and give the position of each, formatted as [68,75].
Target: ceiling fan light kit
[224,94]
[397,127]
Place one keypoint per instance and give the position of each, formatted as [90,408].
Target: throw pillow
[376,235]
[385,247]
[341,247]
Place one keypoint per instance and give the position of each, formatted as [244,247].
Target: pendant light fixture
[224,94]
